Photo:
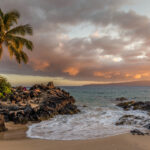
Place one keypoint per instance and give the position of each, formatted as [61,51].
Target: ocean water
[97,120]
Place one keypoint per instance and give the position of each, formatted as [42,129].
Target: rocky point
[38,103]
[135,119]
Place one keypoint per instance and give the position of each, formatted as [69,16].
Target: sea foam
[94,122]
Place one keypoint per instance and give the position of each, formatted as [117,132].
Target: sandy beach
[120,142]
[15,139]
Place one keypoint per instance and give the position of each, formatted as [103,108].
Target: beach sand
[15,139]
[121,142]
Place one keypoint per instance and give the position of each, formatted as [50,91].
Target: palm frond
[2,26]
[10,18]
[15,53]
[11,40]
[21,30]
[13,37]
[11,52]
[1,51]
[20,41]
[1,13]
[24,57]
[25,42]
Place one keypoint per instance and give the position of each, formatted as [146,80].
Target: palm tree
[12,38]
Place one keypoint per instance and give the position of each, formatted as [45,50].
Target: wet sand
[14,132]
[121,142]
[15,139]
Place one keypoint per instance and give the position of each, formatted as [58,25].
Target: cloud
[40,65]
[71,71]
[138,76]
[117,49]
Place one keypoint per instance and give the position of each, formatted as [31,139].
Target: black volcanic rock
[135,120]
[147,126]
[130,120]
[121,99]
[38,103]
[135,105]
[50,85]
[136,132]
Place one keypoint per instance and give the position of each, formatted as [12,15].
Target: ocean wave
[94,122]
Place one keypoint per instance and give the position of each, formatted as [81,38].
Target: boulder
[126,105]
[135,105]
[121,99]
[129,120]
[137,132]
[147,126]
[2,123]
[50,85]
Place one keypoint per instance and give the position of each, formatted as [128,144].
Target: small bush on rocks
[5,87]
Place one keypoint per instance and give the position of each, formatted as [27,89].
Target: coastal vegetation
[5,87]
[13,36]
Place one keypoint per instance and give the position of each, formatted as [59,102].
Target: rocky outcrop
[139,121]
[138,132]
[130,120]
[38,103]
[135,105]
[121,99]
[2,124]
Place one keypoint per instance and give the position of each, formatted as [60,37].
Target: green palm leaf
[1,13]
[15,52]
[24,57]
[18,41]
[10,18]
[13,37]
[1,51]
[21,30]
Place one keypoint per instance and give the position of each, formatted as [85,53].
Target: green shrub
[5,87]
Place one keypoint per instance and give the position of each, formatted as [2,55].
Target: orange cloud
[128,75]
[71,71]
[138,76]
[40,65]
[99,74]
[110,75]
[145,74]
[107,75]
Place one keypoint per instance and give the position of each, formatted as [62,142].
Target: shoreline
[14,131]
[15,139]
[118,142]
[18,132]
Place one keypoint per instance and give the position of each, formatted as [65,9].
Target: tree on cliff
[12,37]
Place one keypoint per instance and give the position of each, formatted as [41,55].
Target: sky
[79,42]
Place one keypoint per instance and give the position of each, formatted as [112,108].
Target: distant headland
[132,83]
